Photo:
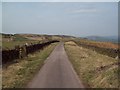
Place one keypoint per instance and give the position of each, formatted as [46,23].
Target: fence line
[20,52]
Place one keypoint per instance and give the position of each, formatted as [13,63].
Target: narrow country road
[57,72]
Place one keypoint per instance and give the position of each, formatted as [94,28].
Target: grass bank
[19,74]
[94,69]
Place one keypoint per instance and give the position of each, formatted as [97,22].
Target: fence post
[22,51]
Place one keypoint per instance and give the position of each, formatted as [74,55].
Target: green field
[11,42]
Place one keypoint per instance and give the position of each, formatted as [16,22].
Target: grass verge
[89,67]
[19,74]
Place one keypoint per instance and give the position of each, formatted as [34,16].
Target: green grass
[86,63]
[7,43]
[12,44]
[19,74]
[20,38]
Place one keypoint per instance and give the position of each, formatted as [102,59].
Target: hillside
[113,39]
[9,41]
[92,60]
[106,42]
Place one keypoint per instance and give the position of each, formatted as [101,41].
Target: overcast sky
[70,18]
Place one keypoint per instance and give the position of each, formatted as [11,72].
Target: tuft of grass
[19,74]
[86,63]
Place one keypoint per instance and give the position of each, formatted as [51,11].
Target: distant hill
[40,37]
[113,39]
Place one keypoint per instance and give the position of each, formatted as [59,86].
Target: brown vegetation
[94,69]
[99,44]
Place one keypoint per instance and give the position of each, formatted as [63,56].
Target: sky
[61,18]
[59,0]
[0,16]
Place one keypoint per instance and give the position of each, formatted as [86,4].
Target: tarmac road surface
[57,72]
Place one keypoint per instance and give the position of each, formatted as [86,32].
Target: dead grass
[19,74]
[86,62]
[99,44]
[0,77]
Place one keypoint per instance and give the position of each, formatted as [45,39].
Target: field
[12,41]
[12,44]
[98,43]
[95,70]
